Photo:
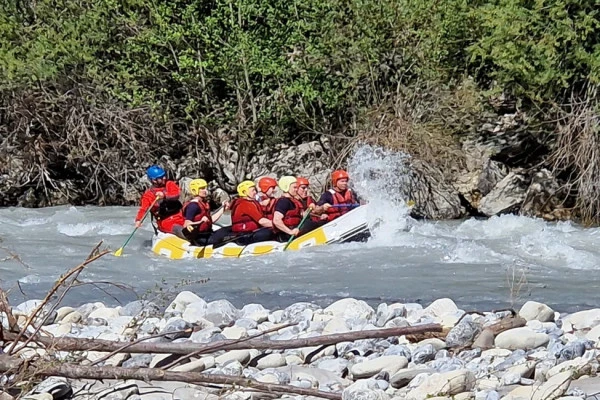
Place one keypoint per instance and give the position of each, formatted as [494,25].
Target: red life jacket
[269,209]
[241,222]
[163,208]
[338,198]
[293,217]
[167,211]
[306,202]
[204,212]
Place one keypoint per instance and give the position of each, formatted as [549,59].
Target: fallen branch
[76,344]
[74,273]
[8,364]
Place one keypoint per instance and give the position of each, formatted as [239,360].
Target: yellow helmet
[243,188]
[285,182]
[196,184]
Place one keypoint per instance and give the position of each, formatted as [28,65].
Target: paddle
[306,215]
[119,252]
[345,205]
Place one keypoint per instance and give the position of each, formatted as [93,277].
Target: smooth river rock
[521,338]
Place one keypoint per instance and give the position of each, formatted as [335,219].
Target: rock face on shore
[499,168]
[543,355]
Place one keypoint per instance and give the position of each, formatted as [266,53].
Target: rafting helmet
[243,188]
[337,175]
[196,185]
[266,183]
[285,182]
[155,172]
[302,181]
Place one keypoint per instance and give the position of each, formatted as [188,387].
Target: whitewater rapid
[480,264]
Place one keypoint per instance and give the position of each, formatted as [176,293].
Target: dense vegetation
[93,91]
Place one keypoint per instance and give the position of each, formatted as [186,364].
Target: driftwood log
[76,344]
[14,365]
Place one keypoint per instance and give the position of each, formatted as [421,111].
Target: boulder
[532,310]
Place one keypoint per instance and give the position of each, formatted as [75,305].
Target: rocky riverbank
[538,354]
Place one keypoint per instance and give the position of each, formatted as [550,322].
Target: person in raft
[303,194]
[248,222]
[198,225]
[265,197]
[340,199]
[163,197]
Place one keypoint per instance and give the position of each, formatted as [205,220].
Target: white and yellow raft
[348,227]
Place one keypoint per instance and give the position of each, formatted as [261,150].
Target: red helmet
[302,181]
[266,183]
[337,175]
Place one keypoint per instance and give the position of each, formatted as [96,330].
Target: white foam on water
[78,229]
[471,252]
[379,177]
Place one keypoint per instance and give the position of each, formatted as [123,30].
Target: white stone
[437,344]
[104,313]
[521,338]
[583,319]
[532,310]
[445,384]
[519,393]
[369,368]
[196,365]
[235,332]
[577,367]
[492,353]
[441,307]
[364,389]
[255,312]
[336,325]
[155,360]
[594,334]
[524,370]
[293,359]
[243,356]
[39,396]
[350,308]
[320,317]
[275,317]
[553,388]
[182,300]
[490,383]
[62,329]
[194,312]
[464,396]
[63,312]
[271,361]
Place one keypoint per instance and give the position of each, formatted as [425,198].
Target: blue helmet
[155,172]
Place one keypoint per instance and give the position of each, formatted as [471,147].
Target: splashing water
[380,177]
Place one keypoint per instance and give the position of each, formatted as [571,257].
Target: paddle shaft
[299,227]
[345,205]
[136,228]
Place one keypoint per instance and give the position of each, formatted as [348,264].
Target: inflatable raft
[349,227]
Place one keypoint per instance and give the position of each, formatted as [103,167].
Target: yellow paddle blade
[119,252]
[410,203]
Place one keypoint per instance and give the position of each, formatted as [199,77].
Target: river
[481,264]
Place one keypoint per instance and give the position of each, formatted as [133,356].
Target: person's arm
[190,212]
[325,201]
[257,216]
[219,213]
[145,203]
[265,222]
[278,223]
